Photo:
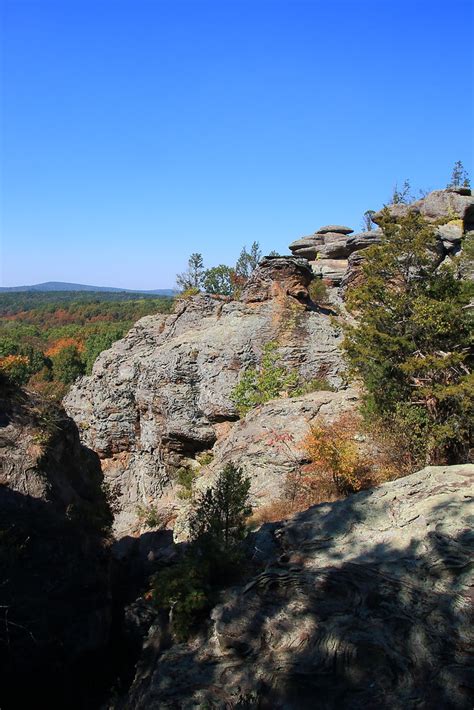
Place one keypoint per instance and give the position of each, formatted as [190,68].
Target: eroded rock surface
[364,603]
[160,395]
[267,442]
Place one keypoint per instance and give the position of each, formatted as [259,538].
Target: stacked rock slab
[329,248]
[335,252]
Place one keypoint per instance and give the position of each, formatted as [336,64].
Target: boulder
[362,240]
[278,276]
[334,228]
[440,204]
[307,252]
[360,603]
[312,241]
[267,442]
[334,249]
[333,270]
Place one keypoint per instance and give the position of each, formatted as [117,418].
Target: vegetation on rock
[188,589]
[264,382]
[410,346]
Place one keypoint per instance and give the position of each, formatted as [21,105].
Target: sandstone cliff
[163,393]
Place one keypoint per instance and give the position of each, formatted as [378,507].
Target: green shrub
[150,517]
[185,591]
[185,477]
[205,458]
[263,383]
[317,384]
[318,292]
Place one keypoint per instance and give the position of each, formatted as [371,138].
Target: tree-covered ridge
[49,339]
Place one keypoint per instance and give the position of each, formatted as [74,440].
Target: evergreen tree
[248,262]
[367,221]
[459,176]
[192,278]
[411,344]
[219,519]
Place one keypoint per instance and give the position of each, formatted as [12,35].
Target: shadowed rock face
[160,395]
[362,603]
[55,609]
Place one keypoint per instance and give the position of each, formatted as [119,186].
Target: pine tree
[192,278]
[248,262]
[459,176]
[410,347]
[219,519]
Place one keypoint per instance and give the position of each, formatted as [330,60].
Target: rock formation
[334,250]
[364,603]
[163,393]
[55,608]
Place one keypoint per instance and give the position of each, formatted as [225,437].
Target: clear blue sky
[135,132]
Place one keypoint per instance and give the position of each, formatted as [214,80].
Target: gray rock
[307,252]
[364,603]
[437,205]
[362,240]
[333,270]
[162,394]
[334,228]
[312,241]
[334,249]
[449,232]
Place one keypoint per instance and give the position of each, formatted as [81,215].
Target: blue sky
[135,132]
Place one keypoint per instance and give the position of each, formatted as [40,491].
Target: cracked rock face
[364,603]
[161,394]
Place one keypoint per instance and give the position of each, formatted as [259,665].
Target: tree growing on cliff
[192,277]
[188,589]
[221,512]
[410,346]
[459,176]
[219,280]
[248,262]
[367,220]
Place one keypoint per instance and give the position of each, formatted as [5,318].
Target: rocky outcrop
[364,603]
[55,607]
[332,249]
[267,444]
[450,204]
[163,393]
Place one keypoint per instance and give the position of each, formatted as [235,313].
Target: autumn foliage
[62,343]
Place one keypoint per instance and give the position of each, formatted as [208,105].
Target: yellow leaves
[337,465]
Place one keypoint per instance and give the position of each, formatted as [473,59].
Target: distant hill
[62,286]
